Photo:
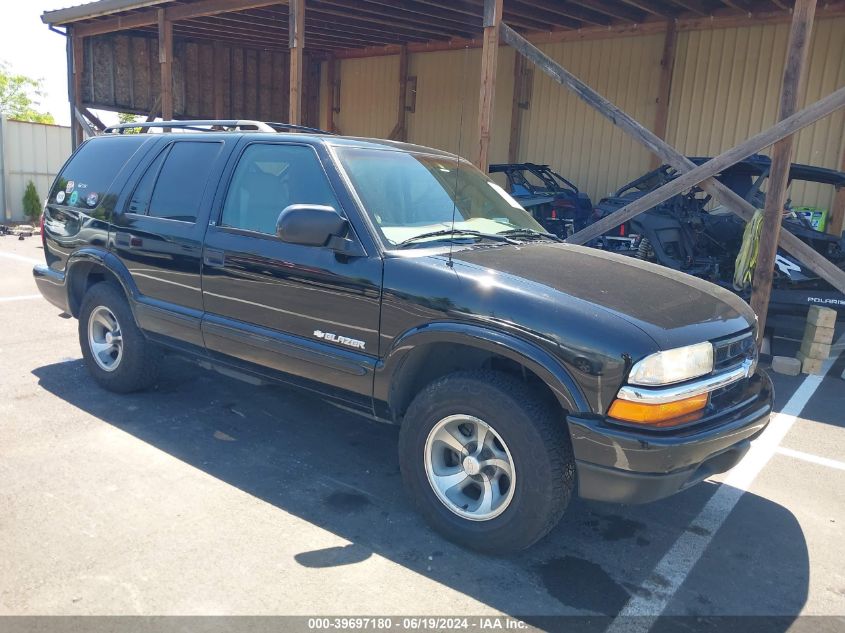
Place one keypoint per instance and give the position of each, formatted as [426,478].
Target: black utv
[687,233]
[402,283]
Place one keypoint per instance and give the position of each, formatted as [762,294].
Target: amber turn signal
[666,414]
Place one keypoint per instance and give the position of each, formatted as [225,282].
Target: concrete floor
[211,496]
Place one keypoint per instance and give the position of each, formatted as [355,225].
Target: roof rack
[214,125]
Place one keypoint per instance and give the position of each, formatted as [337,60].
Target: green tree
[31,202]
[20,97]
[128,117]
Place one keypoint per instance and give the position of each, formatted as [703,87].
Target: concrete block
[815,350]
[810,365]
[786,365]
[823,317]
[818,334]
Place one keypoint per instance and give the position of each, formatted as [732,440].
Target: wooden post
[791,94]
[328,98]
[667,66]
[400,132]
[836,221]
[668,154]
[489,60]
[165,59]
[296,43]
[77,60]
[217,78]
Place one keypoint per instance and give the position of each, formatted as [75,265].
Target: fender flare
[104,259]
[542,363]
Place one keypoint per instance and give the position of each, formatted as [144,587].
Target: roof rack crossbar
[213,125]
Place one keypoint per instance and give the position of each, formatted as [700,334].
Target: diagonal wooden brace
[782,129]
[668,154]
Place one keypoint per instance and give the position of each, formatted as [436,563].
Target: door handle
[127,240]
[214,258]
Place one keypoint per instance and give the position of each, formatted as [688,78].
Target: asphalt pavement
[211,496]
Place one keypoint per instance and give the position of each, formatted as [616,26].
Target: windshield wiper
[498,237]
[531,233]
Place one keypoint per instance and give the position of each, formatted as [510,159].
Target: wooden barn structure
[483,78]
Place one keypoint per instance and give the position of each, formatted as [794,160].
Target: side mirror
[310,224]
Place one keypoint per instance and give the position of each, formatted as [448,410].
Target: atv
[553,200]
[688,233]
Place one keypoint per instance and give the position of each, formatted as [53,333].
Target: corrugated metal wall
[448,90]
[30,151]
[726,87]
[561,130]
[368,96]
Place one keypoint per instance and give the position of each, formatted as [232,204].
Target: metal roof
[94,10]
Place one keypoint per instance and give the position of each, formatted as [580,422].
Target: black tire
[140,359]
[540,448]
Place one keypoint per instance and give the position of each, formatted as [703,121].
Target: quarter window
[173,185]
[267,179]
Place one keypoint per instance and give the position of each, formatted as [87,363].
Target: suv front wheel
[487,461]
[117,354]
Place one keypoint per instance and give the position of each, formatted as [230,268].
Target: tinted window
[267,179]
[87,178]
[181,181]
[140,201]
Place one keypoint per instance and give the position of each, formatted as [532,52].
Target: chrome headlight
[674,365]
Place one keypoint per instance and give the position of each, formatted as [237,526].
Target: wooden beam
[93,118]
[783,129]
[174,13]
[664,86]
[400,131]
[296,43]
[77,59]
[489,60]
[649,6]
[328,98]
[165,60]
[216,77]
[791,94]
[668,154]
[836,221]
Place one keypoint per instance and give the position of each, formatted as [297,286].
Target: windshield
[408,195]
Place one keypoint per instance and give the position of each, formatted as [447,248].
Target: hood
[673,308]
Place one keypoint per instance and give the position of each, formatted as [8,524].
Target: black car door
[158,235]
[305,313]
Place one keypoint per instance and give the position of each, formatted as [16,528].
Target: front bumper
[51,285]
[621,464]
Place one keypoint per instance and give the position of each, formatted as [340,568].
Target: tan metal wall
[448,90]
[30,151]
[726,87]
[368,96]
[447,84]
[561,130]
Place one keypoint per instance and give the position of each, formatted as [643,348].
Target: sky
[30,48]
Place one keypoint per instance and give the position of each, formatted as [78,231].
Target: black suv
[399,281]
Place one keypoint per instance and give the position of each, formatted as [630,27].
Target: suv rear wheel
[117,354]
[488,463]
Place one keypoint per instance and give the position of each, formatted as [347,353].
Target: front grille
[731,352]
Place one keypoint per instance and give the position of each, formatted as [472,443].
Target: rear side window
[87,178]
[172,186]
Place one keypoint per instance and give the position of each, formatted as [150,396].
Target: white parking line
[21,258]
[19,298]
[815,459]
[678,562]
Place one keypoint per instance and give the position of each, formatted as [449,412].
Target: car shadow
[340,472]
